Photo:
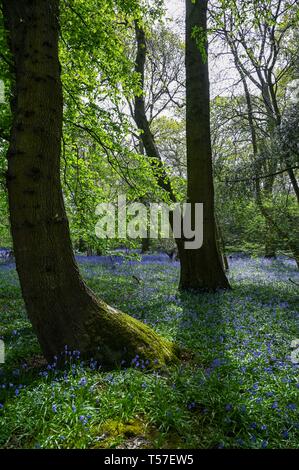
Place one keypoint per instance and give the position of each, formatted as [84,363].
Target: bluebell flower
[83,419]
[82,382]
[191,406]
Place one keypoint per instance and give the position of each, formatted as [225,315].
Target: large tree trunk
[201,269]
[62,309]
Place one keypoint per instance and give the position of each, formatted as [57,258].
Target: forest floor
[238,388]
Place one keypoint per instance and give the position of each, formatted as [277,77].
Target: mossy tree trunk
[62,309]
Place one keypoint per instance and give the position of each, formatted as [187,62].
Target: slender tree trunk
[293,181]
[221,246]
[62,309]
[270,235]
[201,269]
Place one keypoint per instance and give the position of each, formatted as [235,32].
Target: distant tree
[258,36]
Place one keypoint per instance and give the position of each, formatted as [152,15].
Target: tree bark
[62,309]
[201,269]
[145,245]
[293,181]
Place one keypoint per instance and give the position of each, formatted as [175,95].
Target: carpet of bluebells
[235,387]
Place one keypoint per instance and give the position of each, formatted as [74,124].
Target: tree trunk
[201,269]
[293,181]
[62,309]
[221,246]
[270,236]
[145,245]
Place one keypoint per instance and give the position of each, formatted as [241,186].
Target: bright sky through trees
[222,74]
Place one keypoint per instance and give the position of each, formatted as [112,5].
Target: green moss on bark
[117,337]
